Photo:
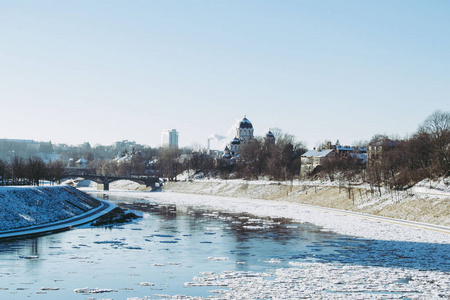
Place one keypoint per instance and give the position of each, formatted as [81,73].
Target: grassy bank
[402,205]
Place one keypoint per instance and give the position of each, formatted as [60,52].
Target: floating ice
[207,273]
[273,261]
[93,291]
[325,281]
[212,228]
[254,227]
[218,258]
[49,288]
[29,256]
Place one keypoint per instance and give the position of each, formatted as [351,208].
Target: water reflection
[308,242]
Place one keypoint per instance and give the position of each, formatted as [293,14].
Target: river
[159,255]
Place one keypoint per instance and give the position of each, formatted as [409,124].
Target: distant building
[245,130]
[169,138]
[19,145]
[377,149]
[314,158]
[125,144]
[270,138]
[244,133]
[9,148]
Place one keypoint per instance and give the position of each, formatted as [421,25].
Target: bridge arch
[103,181]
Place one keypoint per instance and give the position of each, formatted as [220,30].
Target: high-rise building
[169,138]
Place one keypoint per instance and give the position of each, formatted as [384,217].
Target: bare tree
[55,171]
[110,168]
[36,169]
[3,170]
[437,125]
[252,158]
[18,169]
[137,164]
[168,163]
[419,157]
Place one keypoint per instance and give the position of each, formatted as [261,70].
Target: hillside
[28,206]
[425,203]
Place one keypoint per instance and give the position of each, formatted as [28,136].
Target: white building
[244,132]
[314,158]
[169,138]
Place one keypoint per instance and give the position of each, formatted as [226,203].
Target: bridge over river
[103,181]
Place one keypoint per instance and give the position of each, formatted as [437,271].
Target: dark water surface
[155,255]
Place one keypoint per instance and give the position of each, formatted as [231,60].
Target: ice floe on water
[327,281]
[94,291]
[218,258]
[273,261]
[29,256]
[146,284]
[49,289]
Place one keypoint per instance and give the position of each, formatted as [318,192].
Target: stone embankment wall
[22,207]
[426,208]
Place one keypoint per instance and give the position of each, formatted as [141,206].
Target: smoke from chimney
[216,137]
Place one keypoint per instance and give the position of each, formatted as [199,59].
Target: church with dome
[244,133]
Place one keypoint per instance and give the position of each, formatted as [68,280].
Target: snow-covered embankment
[430,205]
[22,207]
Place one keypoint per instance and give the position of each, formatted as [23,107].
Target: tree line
[399,163]
[30,171]
[277,159]
[393,163]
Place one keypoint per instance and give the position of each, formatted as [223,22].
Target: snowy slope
[28,206]
[427,202]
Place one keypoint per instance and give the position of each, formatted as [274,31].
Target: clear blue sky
[102,71]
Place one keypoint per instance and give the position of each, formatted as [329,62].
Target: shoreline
[341,222]
[424,207]
[44,210]
[59,226]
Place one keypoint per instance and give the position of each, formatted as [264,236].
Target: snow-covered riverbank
[427,202]
[22,207]
[329,220]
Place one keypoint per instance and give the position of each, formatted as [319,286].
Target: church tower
[245,130]
[270,138]
[244,133]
